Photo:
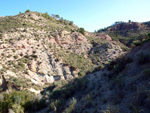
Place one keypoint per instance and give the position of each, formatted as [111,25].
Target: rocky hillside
[121,87]
[37,49]
[48,64]
[131,34]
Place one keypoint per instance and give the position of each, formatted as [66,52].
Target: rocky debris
[30,51]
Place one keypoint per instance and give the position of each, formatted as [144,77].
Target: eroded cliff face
[40,51]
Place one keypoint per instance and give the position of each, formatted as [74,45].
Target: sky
[89,14]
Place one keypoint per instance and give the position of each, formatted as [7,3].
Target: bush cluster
[19,101]
[81,30]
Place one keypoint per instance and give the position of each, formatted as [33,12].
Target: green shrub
[137,43]
[17,108]
[70,22]
[82,31]
[71,107]
[22,98]
[47,16]
[27,11]
[55,105]
[68,91]
[82,73]
[19,101]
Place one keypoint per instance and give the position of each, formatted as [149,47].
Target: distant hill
[130,34]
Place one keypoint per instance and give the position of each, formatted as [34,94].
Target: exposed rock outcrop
[41,50]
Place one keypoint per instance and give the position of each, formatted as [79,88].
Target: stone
[68,77]
[49,79]
[32,66]
[59,71]
[66,70]
[1,66]
[10,111]
[36,79]
[44,68]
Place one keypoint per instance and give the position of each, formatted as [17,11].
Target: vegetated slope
[129,33]
[38,50]
[121,87]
